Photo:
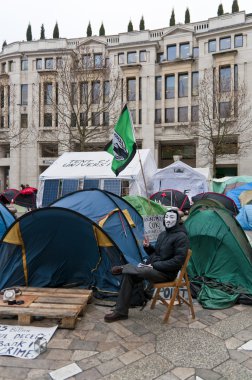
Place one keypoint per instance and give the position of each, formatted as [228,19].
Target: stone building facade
[161,70]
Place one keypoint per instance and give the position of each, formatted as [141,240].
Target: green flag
[123,144]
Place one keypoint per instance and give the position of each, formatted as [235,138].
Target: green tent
[220,268]
[219,185]
[152,214]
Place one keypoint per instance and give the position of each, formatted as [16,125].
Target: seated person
[165,261]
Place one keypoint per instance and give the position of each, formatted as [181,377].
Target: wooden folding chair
[181,281]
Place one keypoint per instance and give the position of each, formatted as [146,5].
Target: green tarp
[218,186]
[145,206]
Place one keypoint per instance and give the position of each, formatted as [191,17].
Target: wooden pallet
[66,305]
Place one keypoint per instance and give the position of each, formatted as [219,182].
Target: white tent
[182,177]
[77,170]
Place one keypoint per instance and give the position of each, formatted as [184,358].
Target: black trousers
[130,276]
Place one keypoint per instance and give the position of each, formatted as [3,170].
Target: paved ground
[143,348]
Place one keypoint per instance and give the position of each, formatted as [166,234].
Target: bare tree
[225,123]
[85,99]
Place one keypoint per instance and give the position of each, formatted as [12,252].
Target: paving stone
[167,376]
[109,366]
[244,335]
[131,356]
[55,353]
[219,315]
[248,363]
[231,325]
[38,374]
[90,374]
[83,345]
[207,374]
[184,348]
[233,371]
[150,367]
[14,373]
[81,354]
[59,343]
[110,354]
[238,356]
[89,363]
[183,373]
[232,343]
[147,349]
[197,325]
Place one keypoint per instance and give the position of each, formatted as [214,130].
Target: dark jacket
[170,251]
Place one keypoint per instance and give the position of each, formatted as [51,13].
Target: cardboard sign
[19,341]
[153,225]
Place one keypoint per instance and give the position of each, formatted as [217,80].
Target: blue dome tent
[6,219]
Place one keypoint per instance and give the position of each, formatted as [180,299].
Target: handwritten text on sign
[19,341]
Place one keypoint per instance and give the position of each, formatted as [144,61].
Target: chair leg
[169,309]
[155,298]
[189,296]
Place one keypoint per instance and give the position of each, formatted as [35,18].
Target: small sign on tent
[153,225]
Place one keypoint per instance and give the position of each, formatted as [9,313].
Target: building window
[133,115]
[184,50]
[195,83]
[184,149]
[158,88]
[171,52]
[24,120]
[195,52]
[170,86]
[131,57]
[120,58]
[225,43]
[140,88]
[10,64]
[238,41]
[183,85]
[24,64]
[142,56]
[56,119]
[39,64]
[2,95]
[95,92]
[86,60]
[47,93]
[211,46]
[107,62]
[236,77]
[225,79]
[3,68]
[157,116]
[98,61]
[106,90]
[24,94]
[74,93]
[224,110]
[47,120]
[2,121]
[73,120]
[140,116]
[160,57]
[49,150]
[49,63]
[195,113]
[83,119]
[228,146]
[183,114]
[131,89]
[169,115]
[95,119]
[106,119]
[84,92]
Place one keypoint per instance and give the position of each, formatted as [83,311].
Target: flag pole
[139,157]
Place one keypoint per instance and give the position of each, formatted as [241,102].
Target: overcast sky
[73,16]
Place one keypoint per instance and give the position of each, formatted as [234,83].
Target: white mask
[170,219]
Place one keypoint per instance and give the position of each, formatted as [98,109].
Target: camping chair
[181,281]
